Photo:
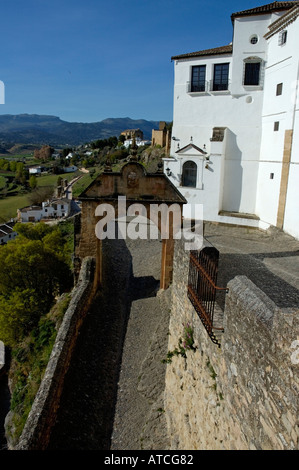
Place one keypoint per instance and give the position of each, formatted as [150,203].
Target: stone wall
[243,395]
[37,430]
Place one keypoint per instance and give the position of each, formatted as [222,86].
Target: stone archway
[131,187]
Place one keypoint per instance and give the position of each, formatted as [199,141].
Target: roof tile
[215,51]
[264,9]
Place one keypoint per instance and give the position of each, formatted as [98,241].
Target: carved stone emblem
[132,179]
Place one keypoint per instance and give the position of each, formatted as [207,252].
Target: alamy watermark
[166,222]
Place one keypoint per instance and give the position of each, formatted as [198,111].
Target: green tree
[34,269]
[20,173]
[32,182]
[40,194]
[13,166]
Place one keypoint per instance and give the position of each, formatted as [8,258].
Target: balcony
[219,87]
[208,87]
[200,88]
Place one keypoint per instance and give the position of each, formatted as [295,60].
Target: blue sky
[87,60]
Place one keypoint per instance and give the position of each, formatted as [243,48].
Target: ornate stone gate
[135,187]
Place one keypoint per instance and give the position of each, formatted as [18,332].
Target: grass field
[84,182]
[51,180]
[9,205]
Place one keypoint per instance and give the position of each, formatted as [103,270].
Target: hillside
[43,129]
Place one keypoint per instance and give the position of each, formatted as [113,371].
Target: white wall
[245,175]
[37,214]
[197,114]
[45,212]
[6,238]
[282,67]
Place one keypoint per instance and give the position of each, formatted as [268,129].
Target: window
[252,73]
[282,39]
[198,79]
[220,77]
[189,174]
[254,39]
[279,89]
[276,126]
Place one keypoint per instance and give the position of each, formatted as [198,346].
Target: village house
[7,232]
[35,170]
[139,142]
[53,209]
[235,123]
[130,133]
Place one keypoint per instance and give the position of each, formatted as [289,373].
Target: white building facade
[57,208]
[7,232]
[235,123]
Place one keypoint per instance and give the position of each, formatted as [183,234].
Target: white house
[235,123]
[35,170]
[7,232]
[139,142]
[56,208]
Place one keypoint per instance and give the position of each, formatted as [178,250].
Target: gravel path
[139,420]
[112,394]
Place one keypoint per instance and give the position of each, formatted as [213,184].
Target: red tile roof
[216,51]
[265,9]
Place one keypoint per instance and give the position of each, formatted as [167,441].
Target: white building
[139,142]
[7,232]
[235,123]
[35,170]
[49,210]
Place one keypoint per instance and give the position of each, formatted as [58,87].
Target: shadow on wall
[278,290]
[233,174]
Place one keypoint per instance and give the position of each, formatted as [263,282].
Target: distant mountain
[43,129]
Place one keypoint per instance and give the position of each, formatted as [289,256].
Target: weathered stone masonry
[140,189]
[243,395]
[37,430]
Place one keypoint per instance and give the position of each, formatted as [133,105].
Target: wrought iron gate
[203,289]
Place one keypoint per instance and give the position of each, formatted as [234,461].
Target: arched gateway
[130,189]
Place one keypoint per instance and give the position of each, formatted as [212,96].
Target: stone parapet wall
[37,430]
[243,395]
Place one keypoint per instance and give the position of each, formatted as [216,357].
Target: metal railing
[207,87]
[224,86]
[197,88]
[203,289]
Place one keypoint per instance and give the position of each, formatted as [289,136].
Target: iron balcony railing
[219,86]
[208,87]
[197,87]
[203,289]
